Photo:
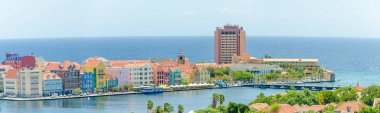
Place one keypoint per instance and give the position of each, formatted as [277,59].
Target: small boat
[150,90]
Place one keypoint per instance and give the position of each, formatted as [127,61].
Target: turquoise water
[132,103]
[353,60]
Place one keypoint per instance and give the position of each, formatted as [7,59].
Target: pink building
[228,41]
[121,73]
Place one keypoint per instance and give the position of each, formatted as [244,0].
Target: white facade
[141,75]
[30,83]
[10,86]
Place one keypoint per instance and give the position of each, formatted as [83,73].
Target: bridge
[296,86]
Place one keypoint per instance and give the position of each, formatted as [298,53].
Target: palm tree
[180,108]
[149,105]
[215,99]
[221,99]
[168,108]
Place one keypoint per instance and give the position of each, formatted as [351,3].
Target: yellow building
[97,65]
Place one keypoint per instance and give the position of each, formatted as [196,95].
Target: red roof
[52,66]
[12,73]
[353,106]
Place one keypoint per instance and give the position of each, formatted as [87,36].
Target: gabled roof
[353,106]
[12,73]
[67,63]
[52,66]
[258,106]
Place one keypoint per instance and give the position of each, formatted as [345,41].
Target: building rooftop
[350,107]
[12,73]
[52,66]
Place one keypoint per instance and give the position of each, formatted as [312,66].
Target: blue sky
[99,18]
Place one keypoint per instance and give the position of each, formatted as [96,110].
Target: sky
[125,18]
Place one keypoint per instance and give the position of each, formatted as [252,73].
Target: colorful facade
[70,74]
[12,59]
[121,73]
[98,65]
[176,77]
[88,80]
[202,75]
[52,84]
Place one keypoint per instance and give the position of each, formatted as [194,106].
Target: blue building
[88,82]
[176,77]
[52,84]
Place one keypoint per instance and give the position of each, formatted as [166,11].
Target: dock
[295,86]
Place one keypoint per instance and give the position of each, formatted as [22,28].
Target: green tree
[168,108]
[215,99]
[185,81]
[158,110]
[237,108]
[370,93]
[347,94]
[99,90]
[369,110]
[149,105]
[226,70]
[207,110]
[221,99]
[211,70]
[329,108]
[274,108]
[130,87]
[78,91]
[180,108]
[326,97]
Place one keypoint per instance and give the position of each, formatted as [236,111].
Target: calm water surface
[132,103]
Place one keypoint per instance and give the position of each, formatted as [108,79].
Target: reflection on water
[132,103]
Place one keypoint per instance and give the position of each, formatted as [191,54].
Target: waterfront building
[176,77]
[11,83]
[30,83]
[87,83]
[141,74]
[17,61]
[52,84]
[28,61]
[158,74]
[98,65]
[111,82]
[3,71]
[167,76]
[256,69]
[12,59]
[245,59]
[293,62]
[69,72]
[118,68]
[228,41]
[202,75]
[122,74]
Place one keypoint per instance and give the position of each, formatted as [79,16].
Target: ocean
[355,60]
